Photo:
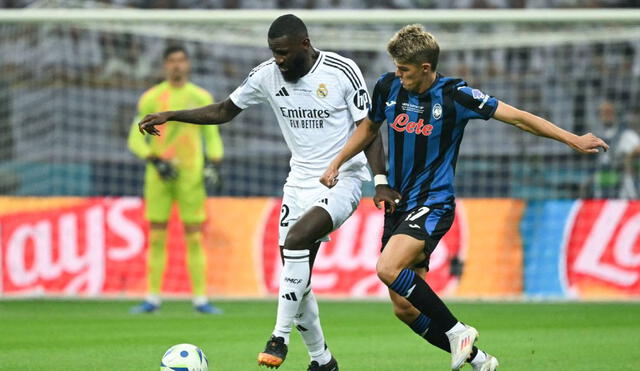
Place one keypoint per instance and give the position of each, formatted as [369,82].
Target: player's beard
[296,69]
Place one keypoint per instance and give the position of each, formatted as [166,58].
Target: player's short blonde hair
[412,44]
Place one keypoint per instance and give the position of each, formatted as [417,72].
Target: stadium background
[529,261]
[526,226]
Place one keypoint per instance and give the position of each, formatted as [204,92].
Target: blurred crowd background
[68,96]
[348,4]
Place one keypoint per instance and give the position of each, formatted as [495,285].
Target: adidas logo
[282,92]
[290,296]
[325,201]
[465,342]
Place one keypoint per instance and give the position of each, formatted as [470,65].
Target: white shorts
[340,202]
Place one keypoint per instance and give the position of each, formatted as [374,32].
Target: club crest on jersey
[436,112]
[322,91]
[477,94]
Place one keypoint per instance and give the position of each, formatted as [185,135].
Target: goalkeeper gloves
[165,169]
[212,175]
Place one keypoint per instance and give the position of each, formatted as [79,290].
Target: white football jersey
[316,114]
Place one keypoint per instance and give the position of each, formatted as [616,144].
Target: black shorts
[424,223]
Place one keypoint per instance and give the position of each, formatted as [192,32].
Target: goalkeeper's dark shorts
[423,223]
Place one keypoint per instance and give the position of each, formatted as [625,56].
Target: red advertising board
[97,247]
[602,249]
[86,249]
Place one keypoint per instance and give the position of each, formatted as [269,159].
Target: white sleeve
[249,92]
[356,94]
[629,141]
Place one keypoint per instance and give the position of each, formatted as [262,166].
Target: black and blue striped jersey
[425,131]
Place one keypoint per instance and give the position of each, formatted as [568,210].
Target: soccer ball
[184,357]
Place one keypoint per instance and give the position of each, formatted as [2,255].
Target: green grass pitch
[101,335]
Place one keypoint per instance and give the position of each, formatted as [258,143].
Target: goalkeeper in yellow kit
[176,171]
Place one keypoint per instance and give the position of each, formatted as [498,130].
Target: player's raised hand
[389,196]
[330,177]
[589,143]
[150,121]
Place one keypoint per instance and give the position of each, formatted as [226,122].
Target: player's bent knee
[386,273]
[159,225]
[192,227]
[296,241]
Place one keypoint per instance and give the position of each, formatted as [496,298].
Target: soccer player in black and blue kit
[426,114]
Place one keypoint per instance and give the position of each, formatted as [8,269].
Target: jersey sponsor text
[402,123]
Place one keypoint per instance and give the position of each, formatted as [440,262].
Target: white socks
[200,300]
[296,307]
[307,321]
[294,278]
[480,358]
[457,327]
[153,299]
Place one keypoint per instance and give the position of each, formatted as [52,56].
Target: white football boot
[461,343]
[490,364]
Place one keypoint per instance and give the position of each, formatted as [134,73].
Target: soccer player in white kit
[318,98]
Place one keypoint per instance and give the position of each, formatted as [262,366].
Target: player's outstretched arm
[213,114]
[364,134]
[384,194]
[587,143]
